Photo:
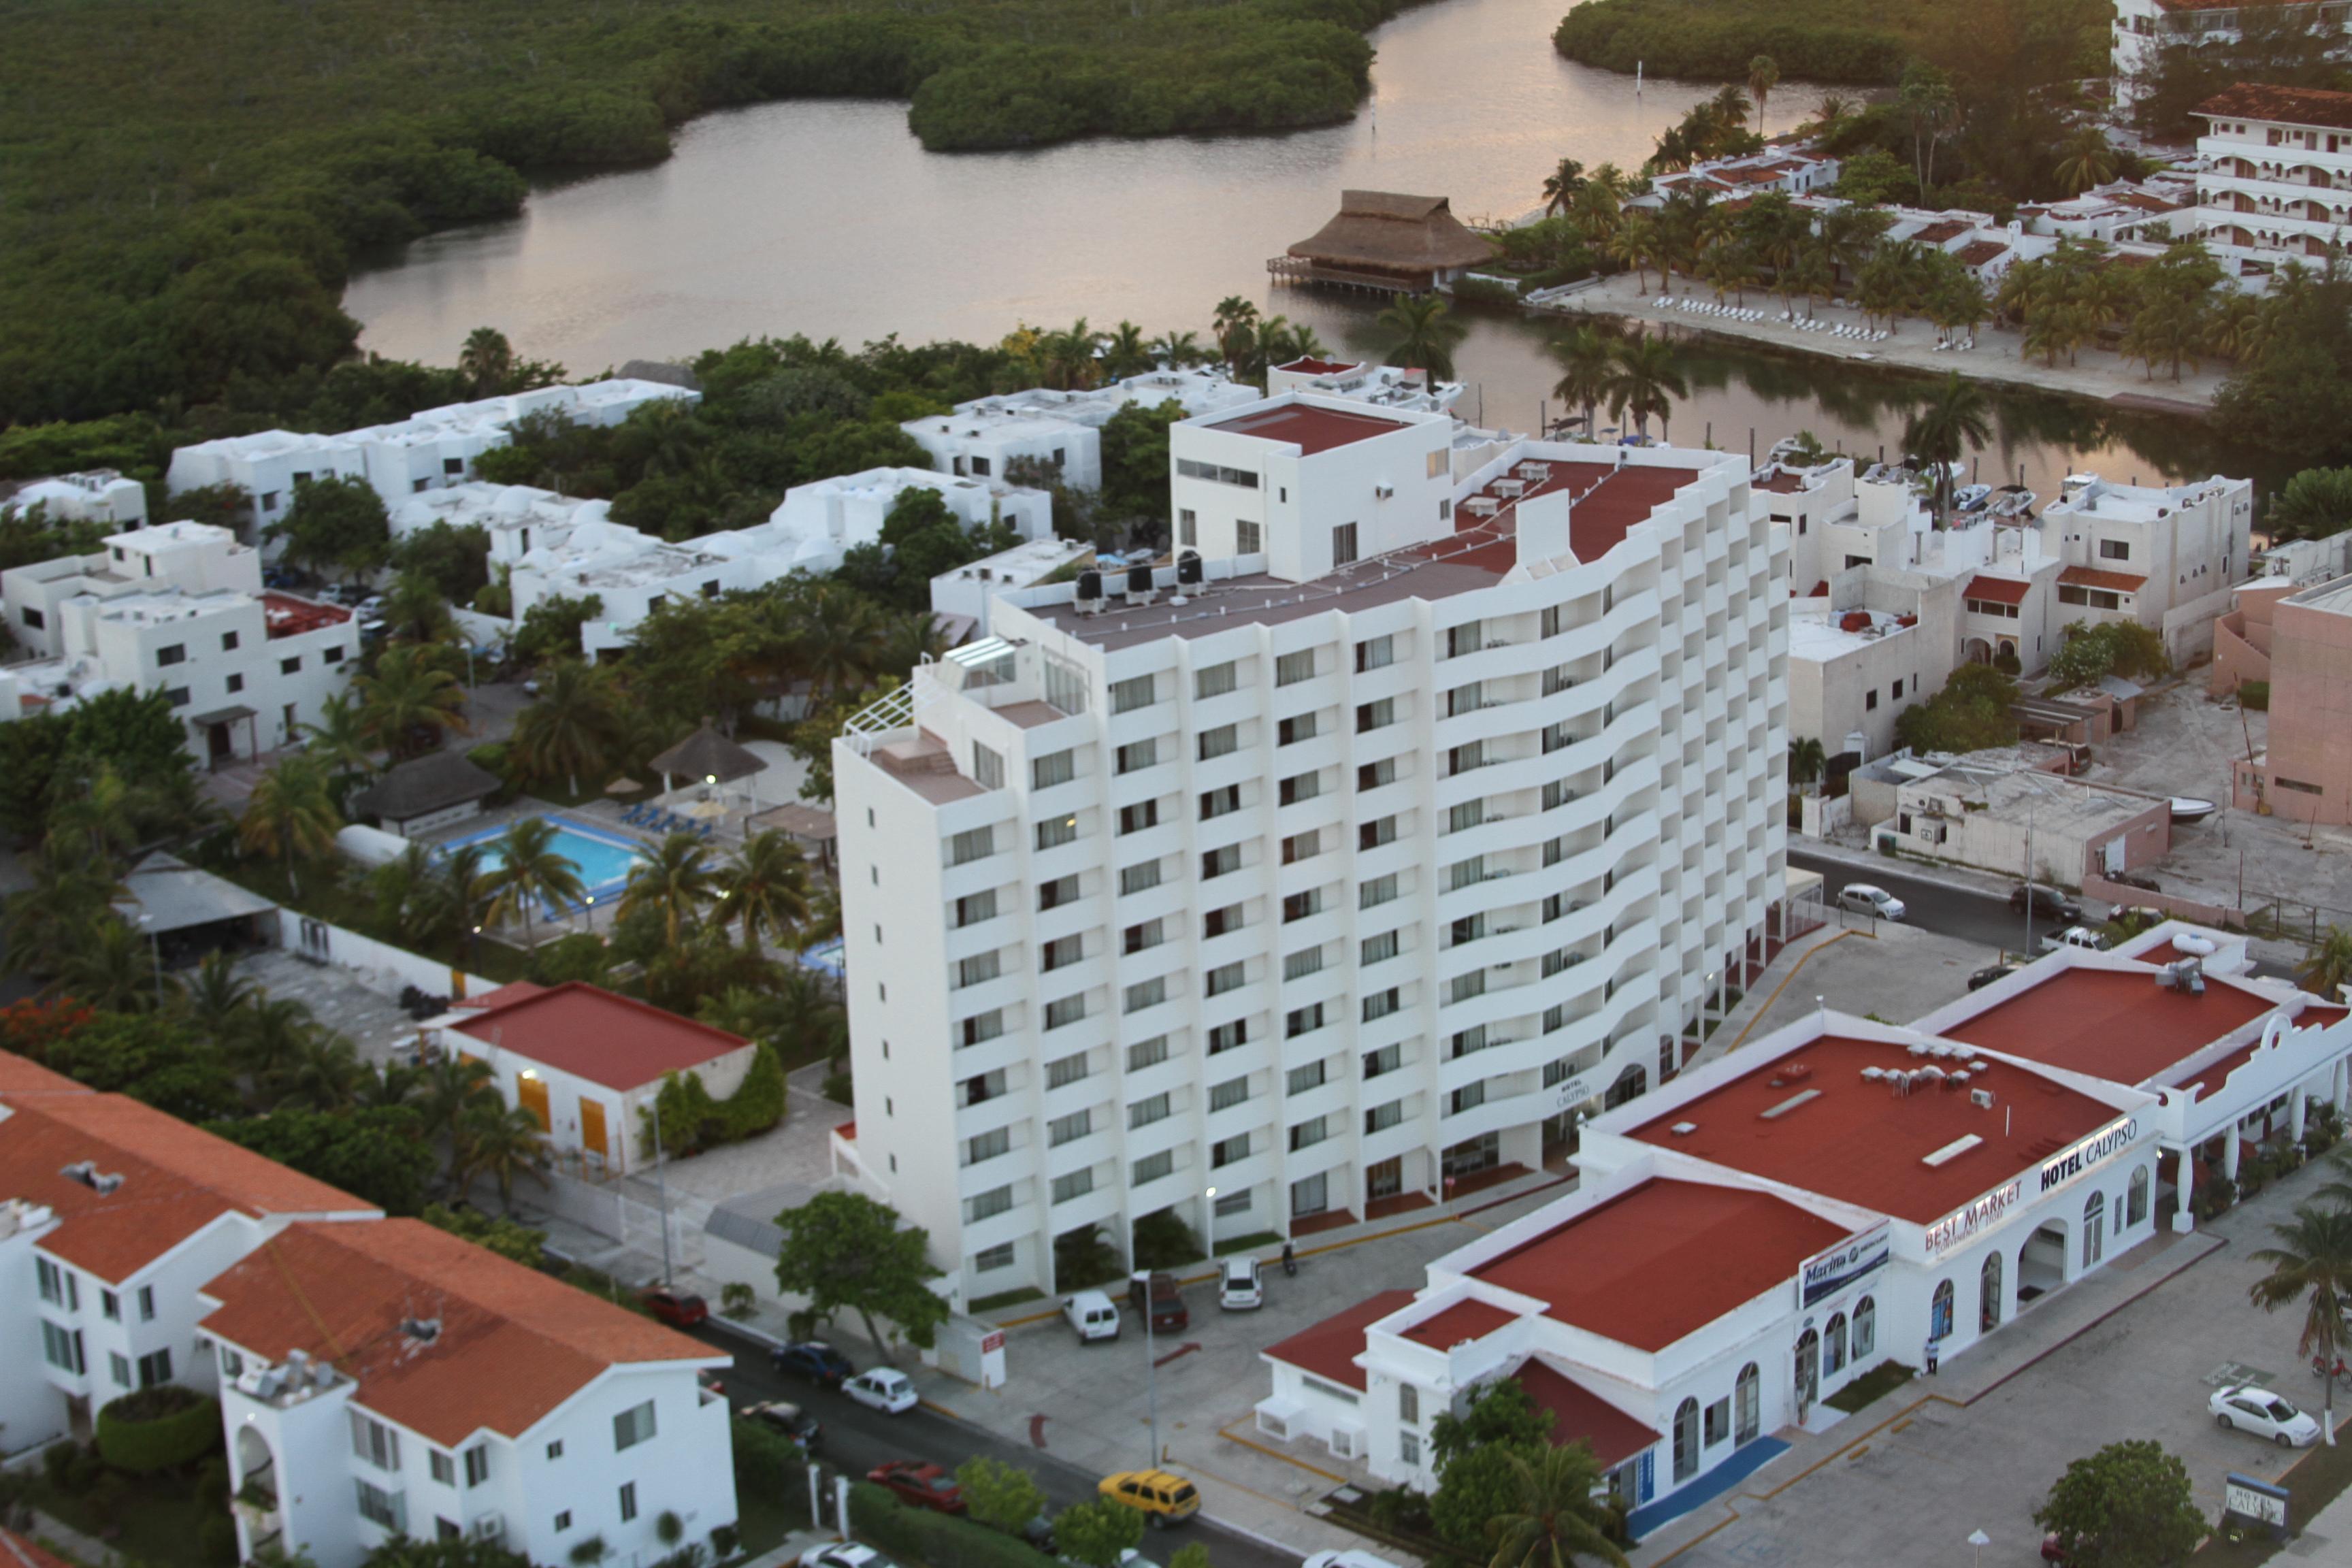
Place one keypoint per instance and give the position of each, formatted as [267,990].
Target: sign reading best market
[1963,1224]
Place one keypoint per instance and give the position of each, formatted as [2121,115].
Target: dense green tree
[335,526]
[516,1242]
[1553,1521]
[764,888]
[409,701]
[2314,504]
[1134,462]
[551,629]
[845,1251]
[674,883]
[570,727]
[291,814]
[2311,1267]
[377,1155]
[456,560]
[531,875]
[1004,1496]
[1097,1533]
[1970,714]
[2130,1505]
[1422,334]
[152,1058]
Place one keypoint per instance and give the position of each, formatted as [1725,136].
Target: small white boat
[1969,497]
[2187,808]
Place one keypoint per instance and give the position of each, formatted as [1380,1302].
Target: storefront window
[1940,1312]
[1865,1327]
[1833,1346]
[2135,1209]
[1989,1293]
[1748,1404]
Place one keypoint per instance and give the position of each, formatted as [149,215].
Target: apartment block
[2164,557]
[1352,859]
[2278,180]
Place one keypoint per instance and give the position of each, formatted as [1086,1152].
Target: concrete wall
[380,966]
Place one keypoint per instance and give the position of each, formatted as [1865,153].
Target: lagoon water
[827,217]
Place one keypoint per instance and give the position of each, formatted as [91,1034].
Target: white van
[1093,1314]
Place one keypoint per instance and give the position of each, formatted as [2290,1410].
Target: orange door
[592,1128]
[530,1093]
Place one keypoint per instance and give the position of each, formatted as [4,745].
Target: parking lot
[2133,1354]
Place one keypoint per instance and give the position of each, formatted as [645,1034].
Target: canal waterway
[827,217]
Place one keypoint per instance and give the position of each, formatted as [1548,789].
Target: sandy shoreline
[2108,377]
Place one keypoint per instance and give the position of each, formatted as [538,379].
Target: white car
[1238,1289]
[2245,1408]
[2083,937]
[847,1555]
[1093,1314]
[1864,899]
[884,1388]
[1347,1559]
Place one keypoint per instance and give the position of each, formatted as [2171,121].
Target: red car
[680,1309]
[924,1486]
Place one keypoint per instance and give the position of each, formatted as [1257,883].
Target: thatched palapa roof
[1383,229]
[707,754]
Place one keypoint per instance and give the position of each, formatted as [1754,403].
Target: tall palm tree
[1805,760]
[325,1074]
[1236,328]
[1645,384]
[1763,75]
[502,1142]
[340,740]
[833,637]
[567,729]
[1597,205]
[531,875]
[2312,1265]
[1587,358]
[765,889]
[112,968]
[1560,186]
[675,882]
[277,1030]
[1957,419]
[1832,112]
[487,362]
[2329,968]
[412,897]
[409,701]
[1554,1522]
[291,814]
[1422,334]
[2084,159]
[98,822]
[1124,352]
[452,1087]
[216,1000]
[415,611]
[1178,349]
[382,1087]
[46,920]
[1631,244]
[464,886]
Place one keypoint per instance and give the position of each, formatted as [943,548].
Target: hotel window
[1378,949]
[992,1258]
[1229,1036]
[1076,1185]
[1225,977]
[1215,680]
[389,1510]
[1215,803]
[1381,1003]
[1343,544]
[171,653]
[290,666]
[973,844]
[477,1457]
[974,908]
[1298,906]
[1381,1117]
[1219,922]
[154,1367]
[1297,728]
[1377,890]
[1718,1422]
[1302,847]
[1145,993]
[1308,1133]
[1138,754]
[1126,696]
[1068,1010]
[1248,538]
[1068,1128]
[1467,637]
[1228,1094]
[443,1465]
[63,1348]
[1218,742]
[1146,1053]
[1372,835]
[1377,715]
[1228,1151]
[1137,817]
[1375,653]
[2115,549]
[1409,1447]
[1290,669]
[1054,768]
[984,1026]
[1052,833]
[1301,1080]
[1152,1167]
[1438,461]
[1216,863]
[1062,951]
[1188,527]
[1303,1021]
[987,767]
[1144,1112]
[373,1441]
[978,970]
[983,1147]
[628,1502]
[1231,1203]
[1136,937]
[988,1204]
[1300,964]
[1137,878]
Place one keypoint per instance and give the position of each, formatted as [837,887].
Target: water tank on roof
[1139,579]
[1090,587]
[1188,567]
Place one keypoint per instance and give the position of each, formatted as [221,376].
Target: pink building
[2306,772]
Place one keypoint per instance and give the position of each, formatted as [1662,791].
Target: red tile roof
[1856,1140]
[1311,366]
[1328,1349]
[1462,1321]
[1662,1259]
[1941,230]
[1310,428]
[1578,1411]
[24,1551]
[176,1179]
[22,1075]
[284,616]
[2092,577]
[2118,1024]
[590,1032]
[1977,252]
[2000,590]
[513,1343]
[2278,105]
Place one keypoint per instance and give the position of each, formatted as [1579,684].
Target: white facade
[1381,385]
[2144,27]
[2277,184]
[519,519]
[2188,545]
[100,495]
[967,593]
[816,525]
[433,450]
[1262,899]
[1061,429]
[194,556]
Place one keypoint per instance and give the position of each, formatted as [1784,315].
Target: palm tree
[383,1087]
[1587,358]
[2329,968]
[452,1086]
[216,1000]
[1831,113]
[1560,186]
[112,968]
[276,1032]
[567,731]
[1805,760]
[1124,352]
[2084,159]
[765,888]
[1632,245]
[415,611]
[1598,205]
[46,920]
[1555,1522]
[1178,349]
[409,701]
[1422,334]
[487,362]
[412,898]
[464,886]
[338,740]
[98,822]
[2313,1264]
[325,1074]
[833,637]
[1956,420]
[1646,383]
[675,882]
[530,875]
[502,1142]
[291,814]
[1235,326]
[1763,75]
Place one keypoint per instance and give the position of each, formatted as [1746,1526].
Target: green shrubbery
[158,1429]
[692,1119]
[941,1540]
[1714,40]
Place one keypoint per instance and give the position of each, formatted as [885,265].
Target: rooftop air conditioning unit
[1981,1099]
[490,1527]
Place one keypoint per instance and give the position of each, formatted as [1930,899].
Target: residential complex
[390,1379]
[100,495]
[179,608]
[2145,28]
[2278,175]
[1349,860]
[1749,1239]
[1060,431]
[2163,557]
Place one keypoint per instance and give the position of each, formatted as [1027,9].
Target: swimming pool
[606,858]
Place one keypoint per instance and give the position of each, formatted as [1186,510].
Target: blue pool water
[605,859]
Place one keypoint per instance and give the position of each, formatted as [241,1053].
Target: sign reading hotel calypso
[1963,1224]
[1850,1262]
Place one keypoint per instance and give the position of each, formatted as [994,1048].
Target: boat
[2189,808]
[1969,497]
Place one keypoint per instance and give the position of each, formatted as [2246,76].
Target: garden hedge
[940,1539]
[158,1429]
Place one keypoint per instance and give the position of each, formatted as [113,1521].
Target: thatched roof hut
[1383,238]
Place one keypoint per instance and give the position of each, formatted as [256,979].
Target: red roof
[286,616]
[1578,1411]
[2118,1024]
[2000,590]
[1781,482]
[22,1075]
[1977,252]
[1662,1259]
[1310,428]
[1330,1349]
[2277,105]
[175,1178]
[2092,577]
[1458,1324]
[1311,366]
[24,1551]
[1856,1140]
[590,1032]
[513,1344]
[1941,230]
[512,991]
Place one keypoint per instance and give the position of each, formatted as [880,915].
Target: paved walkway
[2096,373]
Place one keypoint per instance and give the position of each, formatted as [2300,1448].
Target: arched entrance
[255,1467]
[1809,1373]
[1977,651]
[2094,1229]
[1686,1440]
[2041,1263]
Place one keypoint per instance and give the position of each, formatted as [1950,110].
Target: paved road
[858,1438]
[1982,917]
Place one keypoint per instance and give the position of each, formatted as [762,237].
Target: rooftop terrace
[2114,1024]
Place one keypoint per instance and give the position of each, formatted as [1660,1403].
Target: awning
[167,894]
[2000,590]
[222,715]
[2092,577]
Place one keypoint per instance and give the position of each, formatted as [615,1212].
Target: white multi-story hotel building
[2142,28]
[2278,182]
[1354,870]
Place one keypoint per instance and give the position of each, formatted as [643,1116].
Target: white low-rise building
[817,524]
[432,449]
[2164,557]
[961,598]
[112,1217]
[2121,211]
[1795,171]
[196,557]
[2277,186]
[1269,889]
[1061,430]
[518,519]
[1841,1193]
[1380,385]
[100,496]
[392,1380]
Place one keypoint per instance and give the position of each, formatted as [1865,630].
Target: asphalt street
[856,1438]
[1982,917]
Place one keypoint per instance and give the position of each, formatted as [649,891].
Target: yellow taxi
[1162,1499]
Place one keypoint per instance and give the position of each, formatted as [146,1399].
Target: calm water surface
[829,218]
